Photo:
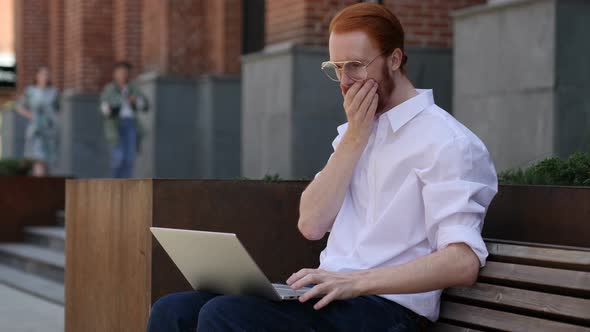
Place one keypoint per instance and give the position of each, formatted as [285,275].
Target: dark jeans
[123,154]
[201,311]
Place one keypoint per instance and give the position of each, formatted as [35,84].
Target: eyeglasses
[356,70]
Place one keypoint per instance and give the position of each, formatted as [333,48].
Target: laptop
[219,263]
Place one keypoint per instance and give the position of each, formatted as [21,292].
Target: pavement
[21,312]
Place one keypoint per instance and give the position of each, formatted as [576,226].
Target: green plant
[574,171]
[13,167]
[272,178]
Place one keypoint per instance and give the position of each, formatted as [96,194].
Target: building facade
[236,87]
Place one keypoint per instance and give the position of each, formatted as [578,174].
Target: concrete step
[40,287]
[39,261]
[60,217]
[51,237]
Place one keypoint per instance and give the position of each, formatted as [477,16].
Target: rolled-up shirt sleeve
[457,191]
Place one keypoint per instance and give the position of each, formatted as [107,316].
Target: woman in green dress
[40,105]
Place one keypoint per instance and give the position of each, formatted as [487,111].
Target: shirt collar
[406,111]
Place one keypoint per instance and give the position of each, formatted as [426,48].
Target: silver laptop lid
[215,262]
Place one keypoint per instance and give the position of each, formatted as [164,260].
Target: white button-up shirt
[424,181]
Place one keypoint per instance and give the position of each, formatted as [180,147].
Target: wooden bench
[522,288]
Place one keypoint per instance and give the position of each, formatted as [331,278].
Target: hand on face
[329,286]
[360,105]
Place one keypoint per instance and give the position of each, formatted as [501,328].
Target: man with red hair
[403,197]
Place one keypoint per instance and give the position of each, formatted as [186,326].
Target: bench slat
[559,307]
[499,320]
[443,327]
[546,257]
[565,282]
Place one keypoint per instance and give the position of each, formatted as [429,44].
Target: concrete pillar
[524,96]
[13,134]
[168,148]
[572,78]
[83,149]
[193,129]
[218,148]
[290,112]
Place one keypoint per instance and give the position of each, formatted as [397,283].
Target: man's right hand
[360,105]
[105,109]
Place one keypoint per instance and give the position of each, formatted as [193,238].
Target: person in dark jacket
[119,102]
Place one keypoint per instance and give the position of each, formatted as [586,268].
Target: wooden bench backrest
[522,288]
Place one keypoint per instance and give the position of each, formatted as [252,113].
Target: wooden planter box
[540,214]
[115,270]
[28,201]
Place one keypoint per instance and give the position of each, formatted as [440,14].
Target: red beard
[386,87]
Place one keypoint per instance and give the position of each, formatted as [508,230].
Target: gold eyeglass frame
[339,65]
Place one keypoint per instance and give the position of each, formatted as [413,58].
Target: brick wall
[224,36]
[88,44]
[72,38]
[153,35]
[56,42]
[301,21]
[173,37]
[80,40]
[127,35]
[188,38]
[427,22]
[285,21]
[32,23]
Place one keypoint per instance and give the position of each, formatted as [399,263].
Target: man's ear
[396,59]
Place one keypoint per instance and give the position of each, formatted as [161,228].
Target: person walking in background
[119,102]
[40,105]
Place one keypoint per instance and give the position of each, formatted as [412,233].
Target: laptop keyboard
[286,291]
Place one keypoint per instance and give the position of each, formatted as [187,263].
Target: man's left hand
[328,285]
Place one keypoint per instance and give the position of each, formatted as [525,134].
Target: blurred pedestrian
[119,102]
[40,105]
